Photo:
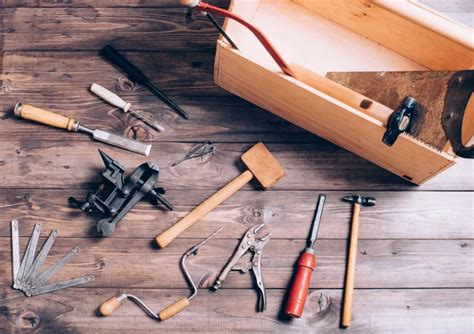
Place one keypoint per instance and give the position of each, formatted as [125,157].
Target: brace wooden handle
[31,113]
[202,209]
[173,309]
[109,306]
[351,263]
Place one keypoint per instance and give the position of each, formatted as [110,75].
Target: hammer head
[364,201]
[264,167]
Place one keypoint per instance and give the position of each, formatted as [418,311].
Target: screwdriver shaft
[146,120]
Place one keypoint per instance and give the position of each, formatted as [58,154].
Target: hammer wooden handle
[351,263]
[204,208]
[31,113]
[173,309]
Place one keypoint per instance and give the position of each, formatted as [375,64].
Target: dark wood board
[414,271]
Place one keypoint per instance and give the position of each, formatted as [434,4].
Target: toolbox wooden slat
[360,28]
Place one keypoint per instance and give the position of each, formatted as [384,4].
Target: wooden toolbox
[344,36]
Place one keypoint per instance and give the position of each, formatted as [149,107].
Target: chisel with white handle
[29,112]
[118,102]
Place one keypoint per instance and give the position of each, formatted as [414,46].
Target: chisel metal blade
[58,286]
[42,278]
[15,249]
[35,267]
[127,144]
[28,256]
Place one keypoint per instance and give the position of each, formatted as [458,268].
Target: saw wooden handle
[203,209]
[109,306]
[31,113]
[351,264]
[173,309]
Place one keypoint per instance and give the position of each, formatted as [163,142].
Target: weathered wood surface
[307,166]
[381,263]
[63,312]
[415,266]
[397,215]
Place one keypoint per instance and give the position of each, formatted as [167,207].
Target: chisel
[117,101]
[306,264]
[136,75]
[29,112]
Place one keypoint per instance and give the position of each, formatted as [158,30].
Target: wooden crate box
[343,35]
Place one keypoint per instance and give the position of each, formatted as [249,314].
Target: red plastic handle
[299,289]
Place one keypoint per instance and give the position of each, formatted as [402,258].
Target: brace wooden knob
[109,306]
[31,113]
[173,309]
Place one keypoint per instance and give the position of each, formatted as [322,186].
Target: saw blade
[428,88]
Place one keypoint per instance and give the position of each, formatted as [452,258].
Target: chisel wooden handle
[351,263]
[202,209]
[173,309]
[31,113]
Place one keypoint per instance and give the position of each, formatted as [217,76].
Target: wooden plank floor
[415,270]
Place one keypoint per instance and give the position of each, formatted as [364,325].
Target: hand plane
[116,196]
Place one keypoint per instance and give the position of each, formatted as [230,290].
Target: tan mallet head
[263,166]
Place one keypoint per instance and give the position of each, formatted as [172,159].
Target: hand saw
[442,101]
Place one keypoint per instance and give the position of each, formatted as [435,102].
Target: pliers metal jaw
[251,243]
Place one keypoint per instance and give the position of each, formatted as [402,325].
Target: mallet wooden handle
[173,309]
[31,113]
[351,263]
[204,208]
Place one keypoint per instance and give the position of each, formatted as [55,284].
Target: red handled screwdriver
[306,264]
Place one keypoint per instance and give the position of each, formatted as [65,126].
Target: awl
[306,264]
[117,101]
[29,112]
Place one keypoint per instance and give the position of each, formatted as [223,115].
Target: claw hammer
[358,201]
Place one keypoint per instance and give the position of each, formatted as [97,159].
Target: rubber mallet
[351,262]
[261,165]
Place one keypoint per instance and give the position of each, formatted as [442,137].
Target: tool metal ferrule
[17,110]
[310,250]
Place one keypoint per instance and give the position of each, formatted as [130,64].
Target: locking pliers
[249,242]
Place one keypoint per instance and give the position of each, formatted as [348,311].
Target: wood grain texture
[397,215]
[415,258]
[64,312]
[307,166]
[381,263]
